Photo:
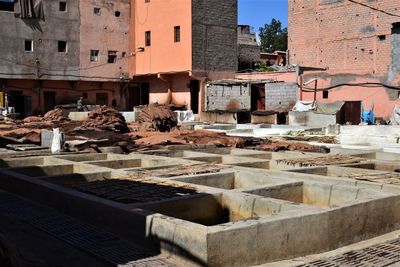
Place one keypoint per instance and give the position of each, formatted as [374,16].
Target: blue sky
[258,12]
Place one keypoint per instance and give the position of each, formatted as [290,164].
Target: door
[194,96]
[257,97]
[138,94]
[352,112]
[102,99]
[49,100]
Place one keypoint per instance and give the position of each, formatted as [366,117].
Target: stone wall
[214,35]
[280,96]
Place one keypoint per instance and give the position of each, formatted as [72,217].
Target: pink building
[359,43]
[115,52]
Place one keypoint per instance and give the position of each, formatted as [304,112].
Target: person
[79,104]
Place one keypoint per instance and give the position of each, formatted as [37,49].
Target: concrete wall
[228,97]
[58,26]
[104,32]
[280,96]
[214,35]
[312,119]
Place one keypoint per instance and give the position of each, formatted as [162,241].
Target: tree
[273,37]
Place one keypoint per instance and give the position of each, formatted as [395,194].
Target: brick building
[123,52]
[358,41]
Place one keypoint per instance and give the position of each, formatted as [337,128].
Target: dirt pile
[107,119]
[159,118]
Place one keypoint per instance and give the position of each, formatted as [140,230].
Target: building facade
[46,53]
[178,46]
[115,52]
[248,48]
[357,41]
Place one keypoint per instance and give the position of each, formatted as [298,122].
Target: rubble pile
[107,119]
[156,117]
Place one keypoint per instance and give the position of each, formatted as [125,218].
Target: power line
[375,9]
[367,84]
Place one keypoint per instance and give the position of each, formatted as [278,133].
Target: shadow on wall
[34,24]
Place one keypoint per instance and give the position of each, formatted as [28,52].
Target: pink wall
[381,99]
[66,92]
[104,32]
[160,17]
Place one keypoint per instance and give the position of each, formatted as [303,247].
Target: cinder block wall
[280,96]
[228,97]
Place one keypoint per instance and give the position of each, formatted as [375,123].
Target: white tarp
[395,119]
[304,106]
[184,116]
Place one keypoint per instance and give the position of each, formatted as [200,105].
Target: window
[6,6]
[112,57]
[148,38]
[28,45]
[62,46]
[97,11]
[381,37]
[396,28]
[117,13]
[325,94]
[94,55]
[62,6]
[147,1]
[177,34]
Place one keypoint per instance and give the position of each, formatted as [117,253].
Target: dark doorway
[194,96]
[138,94]
[49,101]
[257,97]
[352,112]
[102,99]
[16,100]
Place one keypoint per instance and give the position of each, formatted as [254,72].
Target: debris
[293,146]
[156,117]
[172,171]
[107,119]
[199,137]
[321,161]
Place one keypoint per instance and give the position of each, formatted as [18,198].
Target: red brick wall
[341,35]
